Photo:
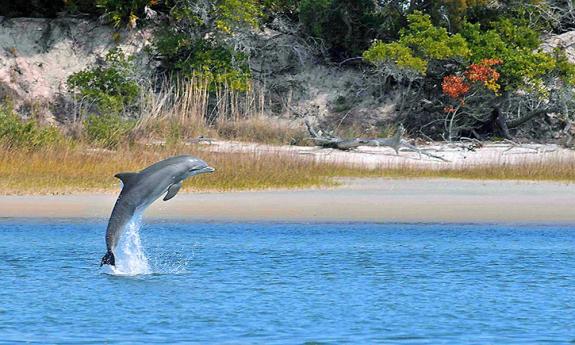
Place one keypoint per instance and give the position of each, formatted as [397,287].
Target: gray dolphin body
[141,189]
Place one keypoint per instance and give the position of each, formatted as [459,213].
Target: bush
[199,42]
[203,58]
[218,17]
[493,77]
[524,66]
[288,8]
[345,26]
[431,42]
[419,43]
[25,134]
[124,12]
[111,87]
[516,45]
[395,54]
[108,130]
[232,15]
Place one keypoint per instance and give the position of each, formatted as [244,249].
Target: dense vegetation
[458,68]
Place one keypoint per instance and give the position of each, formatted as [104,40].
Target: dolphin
[141,189]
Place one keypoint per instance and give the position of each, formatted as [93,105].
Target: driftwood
[200,139]
[396,142]
[330,141]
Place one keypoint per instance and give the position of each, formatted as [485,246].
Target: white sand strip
[378,200]
[457,154]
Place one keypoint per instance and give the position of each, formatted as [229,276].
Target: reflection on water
[287,283]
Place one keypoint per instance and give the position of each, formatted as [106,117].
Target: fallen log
[396,142]
[333,142]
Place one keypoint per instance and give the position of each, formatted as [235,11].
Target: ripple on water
[287,283]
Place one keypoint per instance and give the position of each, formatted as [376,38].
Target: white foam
[170,263]
[131,259]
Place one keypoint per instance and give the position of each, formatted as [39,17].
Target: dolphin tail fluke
[108,259]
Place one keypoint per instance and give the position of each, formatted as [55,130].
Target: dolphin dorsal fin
[126,178]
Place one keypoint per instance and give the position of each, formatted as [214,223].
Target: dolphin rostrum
[141,189]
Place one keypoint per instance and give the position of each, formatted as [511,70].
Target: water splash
[130,256]
[173,262]
[132,260]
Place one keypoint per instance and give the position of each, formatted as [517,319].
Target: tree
[199,41]
[492,79]
[345,26]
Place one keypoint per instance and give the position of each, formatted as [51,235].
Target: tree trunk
[501,123]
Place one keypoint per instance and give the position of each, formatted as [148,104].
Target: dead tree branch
[334,142]
[396,142]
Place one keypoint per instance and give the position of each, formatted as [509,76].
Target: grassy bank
[72,170]
[81,169]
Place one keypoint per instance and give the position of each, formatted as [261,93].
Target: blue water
[263,283]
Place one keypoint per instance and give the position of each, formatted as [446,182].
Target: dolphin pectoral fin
[172,191]
[127,178]
[108,259]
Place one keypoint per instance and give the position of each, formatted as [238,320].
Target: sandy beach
[369,200]
[443,154]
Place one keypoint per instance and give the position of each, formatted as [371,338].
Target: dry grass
[80,169]
[545,170]
[186,109]
[263,130]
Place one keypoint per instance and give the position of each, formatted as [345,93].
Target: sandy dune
[378,200]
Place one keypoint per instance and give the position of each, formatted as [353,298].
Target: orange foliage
[454,86]
[483,72]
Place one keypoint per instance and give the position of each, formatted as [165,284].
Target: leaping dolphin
[141,189]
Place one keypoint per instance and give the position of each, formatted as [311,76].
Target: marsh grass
[73,170]
[79,169]
[185,109]
[545,170]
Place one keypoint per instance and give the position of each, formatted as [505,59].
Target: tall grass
[194,107]
[80,169]
[87,170]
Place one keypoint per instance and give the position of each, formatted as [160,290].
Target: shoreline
[358,200]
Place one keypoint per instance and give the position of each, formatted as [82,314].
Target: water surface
[264,283]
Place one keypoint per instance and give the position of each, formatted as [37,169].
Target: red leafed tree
[455,86]
[478,80]
[481,74]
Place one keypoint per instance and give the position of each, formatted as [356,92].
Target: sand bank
[454,155]
[372,200]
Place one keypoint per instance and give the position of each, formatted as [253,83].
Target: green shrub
[25,134]
[202,58]
[110,87]
[217,16]
[431,42]
[196,43]
[523,65]
[230,15]
[517,33]
[513,43]
[564,68]
[108,130]
[123,12]
[419,43]
[395,54]
[287,8]
[345,26]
